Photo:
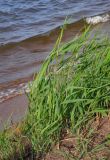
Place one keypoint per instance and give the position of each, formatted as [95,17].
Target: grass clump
[69,91]
[72,87]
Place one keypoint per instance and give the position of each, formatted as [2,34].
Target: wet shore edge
[13,110]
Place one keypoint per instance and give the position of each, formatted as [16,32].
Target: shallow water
[28,30]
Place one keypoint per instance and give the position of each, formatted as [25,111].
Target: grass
[71,89]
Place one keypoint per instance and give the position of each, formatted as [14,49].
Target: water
[28,30]
[26,18]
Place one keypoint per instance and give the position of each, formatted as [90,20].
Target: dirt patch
[85,146]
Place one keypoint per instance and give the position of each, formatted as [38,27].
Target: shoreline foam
[98,19]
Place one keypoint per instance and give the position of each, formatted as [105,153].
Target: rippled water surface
[29,28]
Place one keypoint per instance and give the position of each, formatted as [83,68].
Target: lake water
[29,28]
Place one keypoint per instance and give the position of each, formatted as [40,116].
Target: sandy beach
[13,110]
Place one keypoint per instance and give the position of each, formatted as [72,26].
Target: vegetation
[70,94]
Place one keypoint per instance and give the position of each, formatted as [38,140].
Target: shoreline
[41,50]
[13,110]
[65,102]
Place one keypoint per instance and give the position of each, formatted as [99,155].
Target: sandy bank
[13,110]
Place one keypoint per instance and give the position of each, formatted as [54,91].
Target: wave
[49,35]
[93,20]
[86,20]
[12,92]
[98,19]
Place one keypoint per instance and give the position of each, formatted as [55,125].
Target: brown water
[29,29]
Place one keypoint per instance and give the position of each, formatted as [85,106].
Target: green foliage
[72,86]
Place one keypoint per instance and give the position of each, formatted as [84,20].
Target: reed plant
[71,88]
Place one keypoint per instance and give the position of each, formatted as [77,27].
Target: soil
[69,143]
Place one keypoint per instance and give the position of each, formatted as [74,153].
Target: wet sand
[13,110]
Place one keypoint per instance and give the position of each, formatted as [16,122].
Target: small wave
[98,19]
[12,92]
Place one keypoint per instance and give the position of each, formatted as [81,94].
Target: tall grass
[72,87]
[68,91]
